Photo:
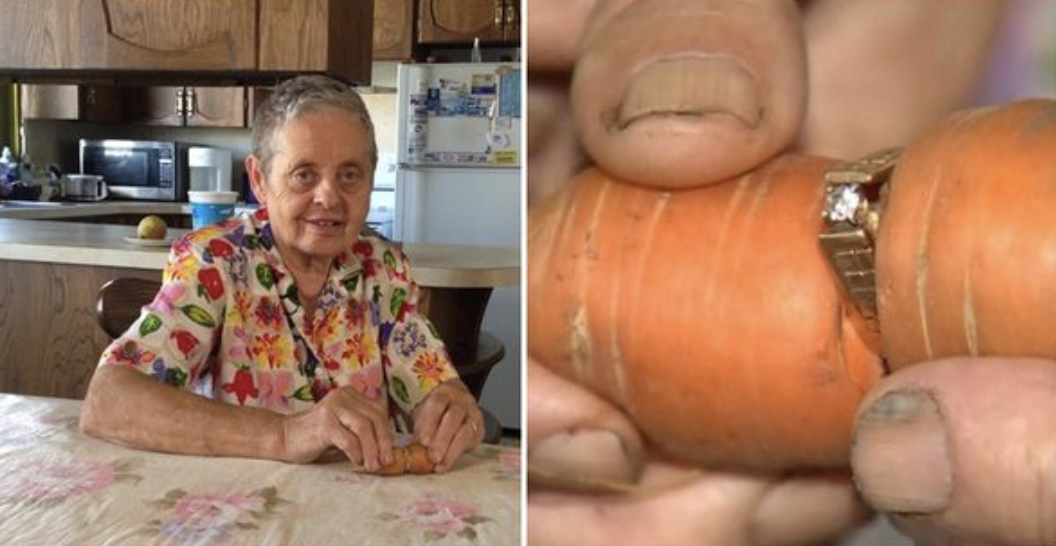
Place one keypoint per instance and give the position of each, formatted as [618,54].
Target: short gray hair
[301,95]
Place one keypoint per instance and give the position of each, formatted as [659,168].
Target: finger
[554,30]
[554,153]
[466,438]
[678,93]
[809,509]
[345,440]
[367,421]
[428,414]
[363,430]
[857,79]
[689,507]
[963,450]
[450,424]
[575,439]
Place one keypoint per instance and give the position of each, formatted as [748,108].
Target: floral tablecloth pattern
[58,486]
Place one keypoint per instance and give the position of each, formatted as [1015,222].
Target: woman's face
[318,191]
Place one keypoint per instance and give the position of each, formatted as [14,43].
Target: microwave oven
[148,170]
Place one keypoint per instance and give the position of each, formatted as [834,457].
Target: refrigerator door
[459,114]
[458,206]
[474,206]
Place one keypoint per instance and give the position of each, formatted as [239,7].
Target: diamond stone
[842,202]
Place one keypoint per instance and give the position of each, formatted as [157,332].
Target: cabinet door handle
[181,103]
[192,103]
[500,12]
[512,13]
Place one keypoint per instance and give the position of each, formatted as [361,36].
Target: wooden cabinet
[96,103]
[50,341]
[393,30]
[129,34]
[185,106]
[219,39]
[460,21]
[331,36]
[177,106]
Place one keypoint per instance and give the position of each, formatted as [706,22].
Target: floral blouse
[227,323]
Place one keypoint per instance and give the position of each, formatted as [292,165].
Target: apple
[151,227]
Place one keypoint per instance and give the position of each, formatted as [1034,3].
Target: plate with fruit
[151,231]
[140,241]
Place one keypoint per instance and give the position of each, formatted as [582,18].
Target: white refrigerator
[458,181]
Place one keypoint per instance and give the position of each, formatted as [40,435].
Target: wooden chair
[121,300]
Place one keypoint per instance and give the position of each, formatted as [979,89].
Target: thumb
[676,93]
[963,451]
[575,439]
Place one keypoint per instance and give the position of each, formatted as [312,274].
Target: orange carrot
[711,316]
[413,459]
[966,260]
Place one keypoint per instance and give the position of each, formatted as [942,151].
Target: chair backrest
[120,300]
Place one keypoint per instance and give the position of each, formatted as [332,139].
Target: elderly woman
[287,332]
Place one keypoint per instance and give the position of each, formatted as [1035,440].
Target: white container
[210,169]
[211,207]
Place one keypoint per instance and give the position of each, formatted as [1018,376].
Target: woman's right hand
[347,420]
[592,481]
[963,451]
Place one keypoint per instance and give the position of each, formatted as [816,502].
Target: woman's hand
[344,419]
[448,422]
[686,92]
[963,451]
[591,481]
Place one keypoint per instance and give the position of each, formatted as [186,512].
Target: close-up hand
[592,481]
[448,422]
[963,451]
[675,94]
[347,420]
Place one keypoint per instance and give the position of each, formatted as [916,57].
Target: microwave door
[141,170]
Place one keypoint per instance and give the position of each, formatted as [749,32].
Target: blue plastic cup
[211,207]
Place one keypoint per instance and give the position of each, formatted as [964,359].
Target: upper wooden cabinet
[393,30]
[184,106]
[233,39]
[332,36]
[460,21]
[139,105]
[97,103]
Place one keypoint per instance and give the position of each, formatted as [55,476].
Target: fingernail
[692,87]
[900,456]
[585,459]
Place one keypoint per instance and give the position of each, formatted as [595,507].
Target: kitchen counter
[439,266]
[54,210]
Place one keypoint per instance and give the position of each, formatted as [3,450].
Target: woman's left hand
[448,422]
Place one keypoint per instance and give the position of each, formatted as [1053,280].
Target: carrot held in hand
[713,318]
[413,459]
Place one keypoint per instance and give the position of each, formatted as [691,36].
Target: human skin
[860,93]
[962,451]
[866,64]
[317,194]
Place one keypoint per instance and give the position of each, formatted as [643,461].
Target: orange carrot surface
[712,318]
